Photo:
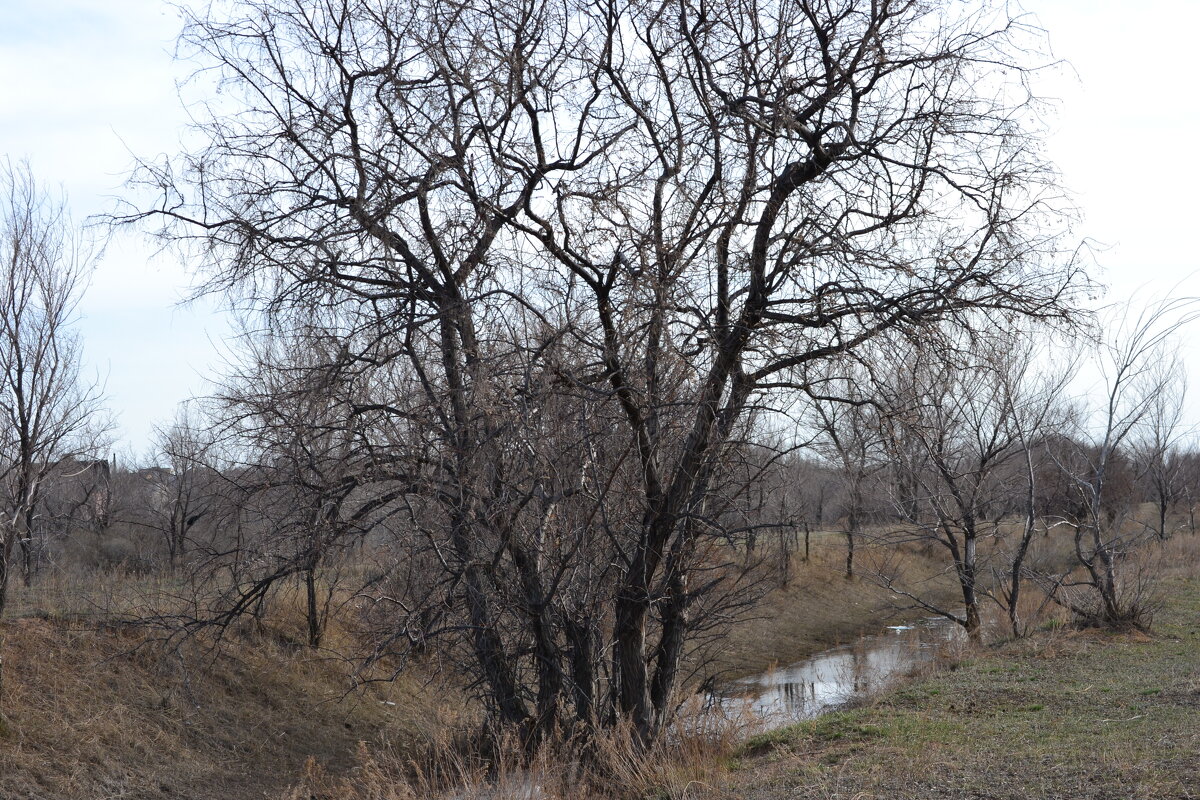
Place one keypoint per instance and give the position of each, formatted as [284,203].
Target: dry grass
[1064,714]
[95,711]
[821,608]
[91,709]
[693,758]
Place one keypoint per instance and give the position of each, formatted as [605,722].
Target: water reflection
[834,677]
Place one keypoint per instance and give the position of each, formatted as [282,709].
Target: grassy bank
[1064,714]
[91,710]
[819,607]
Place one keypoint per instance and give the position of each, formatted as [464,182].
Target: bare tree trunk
[26,561]
[175,535]
[973,626]
[25,539]
[629,656]
[674,622]
[786,542]
[6,542]
[968,578]
[1101,569]
[583,654]
[670,652]
[853,525]
[314,616]
[1163,503]
[850,554]
[545,650]
[1018,562]
[489,649]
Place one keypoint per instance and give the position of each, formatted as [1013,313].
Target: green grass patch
[1065,714]
[833,727]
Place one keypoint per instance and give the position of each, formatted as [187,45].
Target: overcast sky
[86,83]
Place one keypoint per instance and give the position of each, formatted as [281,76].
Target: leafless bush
[1115,590]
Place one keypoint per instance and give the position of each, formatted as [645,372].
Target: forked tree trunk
[1018,562]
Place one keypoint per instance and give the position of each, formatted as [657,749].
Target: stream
[835,677]
[798,691]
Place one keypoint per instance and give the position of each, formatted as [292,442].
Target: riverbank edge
[821,609]
[1063,713]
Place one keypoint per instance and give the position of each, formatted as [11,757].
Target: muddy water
[833,678]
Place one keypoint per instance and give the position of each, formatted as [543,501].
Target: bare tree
[974,415]
[75,506]
[1156,445]
[803,489]
[1031,386]
[49,411]
[1188,476]
[1133,345]
[850,437]
[620,228]
[187,489]
[296,458]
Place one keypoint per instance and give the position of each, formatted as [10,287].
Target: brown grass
[1064,713]
[89,710]
[693,758]
[93,709]
[820,608]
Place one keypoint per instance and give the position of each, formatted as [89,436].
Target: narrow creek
[835,677]
[798,691]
